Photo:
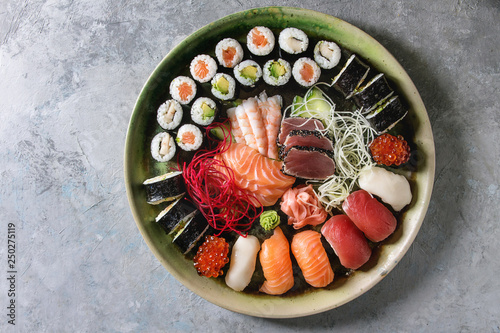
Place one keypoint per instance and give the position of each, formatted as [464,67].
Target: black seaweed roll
[351,76]
[387,115]
[194,229]
[166,187]
[372,93]
[176,214]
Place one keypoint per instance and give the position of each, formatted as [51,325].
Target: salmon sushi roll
[306,72]
[312,258]
[203,68]
[183,89]
[189,137]
[276,264]
[229,52]
[260,41]
[327,54]
[293,40]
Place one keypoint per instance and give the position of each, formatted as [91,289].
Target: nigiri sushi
[242,264]
[348,242]
[374,219]
[312,258]
[276,264]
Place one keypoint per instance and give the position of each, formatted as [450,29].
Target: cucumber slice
[222,131]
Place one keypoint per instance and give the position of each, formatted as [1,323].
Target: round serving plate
[140,166]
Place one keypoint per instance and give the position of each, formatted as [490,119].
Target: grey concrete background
[70,72]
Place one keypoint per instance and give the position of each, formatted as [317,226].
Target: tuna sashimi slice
[312,258]
[348,242]
[298,123]
[374,219]
[276,264]
[306,138]
[308,163]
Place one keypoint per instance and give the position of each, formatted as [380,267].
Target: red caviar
[211,256]
[388,149]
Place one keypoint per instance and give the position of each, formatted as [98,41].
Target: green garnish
[269,219]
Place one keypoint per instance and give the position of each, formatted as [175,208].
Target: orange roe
[388,150]
[211,256]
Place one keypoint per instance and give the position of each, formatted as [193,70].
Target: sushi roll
[293,40]
[169,114]
[183,89]
[260,41]
[306,72]
[247,72]
[203,68]
[223,86]
[374,93]
[166,187]
[385,116]
[203,111]
[163,147]
[351,76]
[277,72]
[189,137]
[229,52]
[175,215]
[327,54]
[189,234]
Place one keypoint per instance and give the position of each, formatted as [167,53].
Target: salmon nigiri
[276,264]
[312,258]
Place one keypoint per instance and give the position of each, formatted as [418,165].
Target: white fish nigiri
[242,264]
[392,188]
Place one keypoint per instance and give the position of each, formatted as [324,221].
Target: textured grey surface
[70,72]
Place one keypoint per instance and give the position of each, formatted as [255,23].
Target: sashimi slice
[348,242]
[298,123]
[306,138]
[276,264]
[312,258]
[374,219]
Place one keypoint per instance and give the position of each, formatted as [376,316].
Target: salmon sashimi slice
[257,174]
[276,264]
[312,258]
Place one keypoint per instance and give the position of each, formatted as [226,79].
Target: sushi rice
[183,89]
[229,52]
[189,137]
[306,72]
[223,86]
[247,72]
[260,41]
[163,147]
[277,72]
[203,111]
[293,40]
[327,54]
[203,68]
[169,114]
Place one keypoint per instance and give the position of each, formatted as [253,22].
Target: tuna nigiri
[369,215]
[312,258]
[348,242]
[276,264]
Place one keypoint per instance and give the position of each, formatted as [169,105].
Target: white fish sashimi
[391,188]
[243,259]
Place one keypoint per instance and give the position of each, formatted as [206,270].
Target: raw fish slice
[235,126]
[312,258]
[298,123]
[309,163]
[348,242]
[369,215]
[242,264]
[307,138]
[271,113]
[245,126]
[276,264]
[252,110]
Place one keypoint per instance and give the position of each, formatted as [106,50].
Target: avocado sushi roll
[163,147]
[187,237]
[384,117]
[203,111]
[247,72]
[166,187]
[277,72]
[223,86]
[169,114]
[373,93]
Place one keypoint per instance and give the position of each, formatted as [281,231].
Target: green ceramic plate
[140,166]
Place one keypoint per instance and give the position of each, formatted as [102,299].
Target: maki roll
[169,114]
[293,40]
[223,86]
[203,111]
[189,137]
[351,76]
[191,232]
[327,54]
[384,117]
[277,72]
[374,93]
[166,187]
[203,68]
[229,52]
[183,89]
[247,72]
[163,147]
[260,41]
[306,72]
[175,215]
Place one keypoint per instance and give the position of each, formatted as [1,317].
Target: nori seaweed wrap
[372,93]
[176,214]
[194,229]
[166,187]
[351,76]
[387,115]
